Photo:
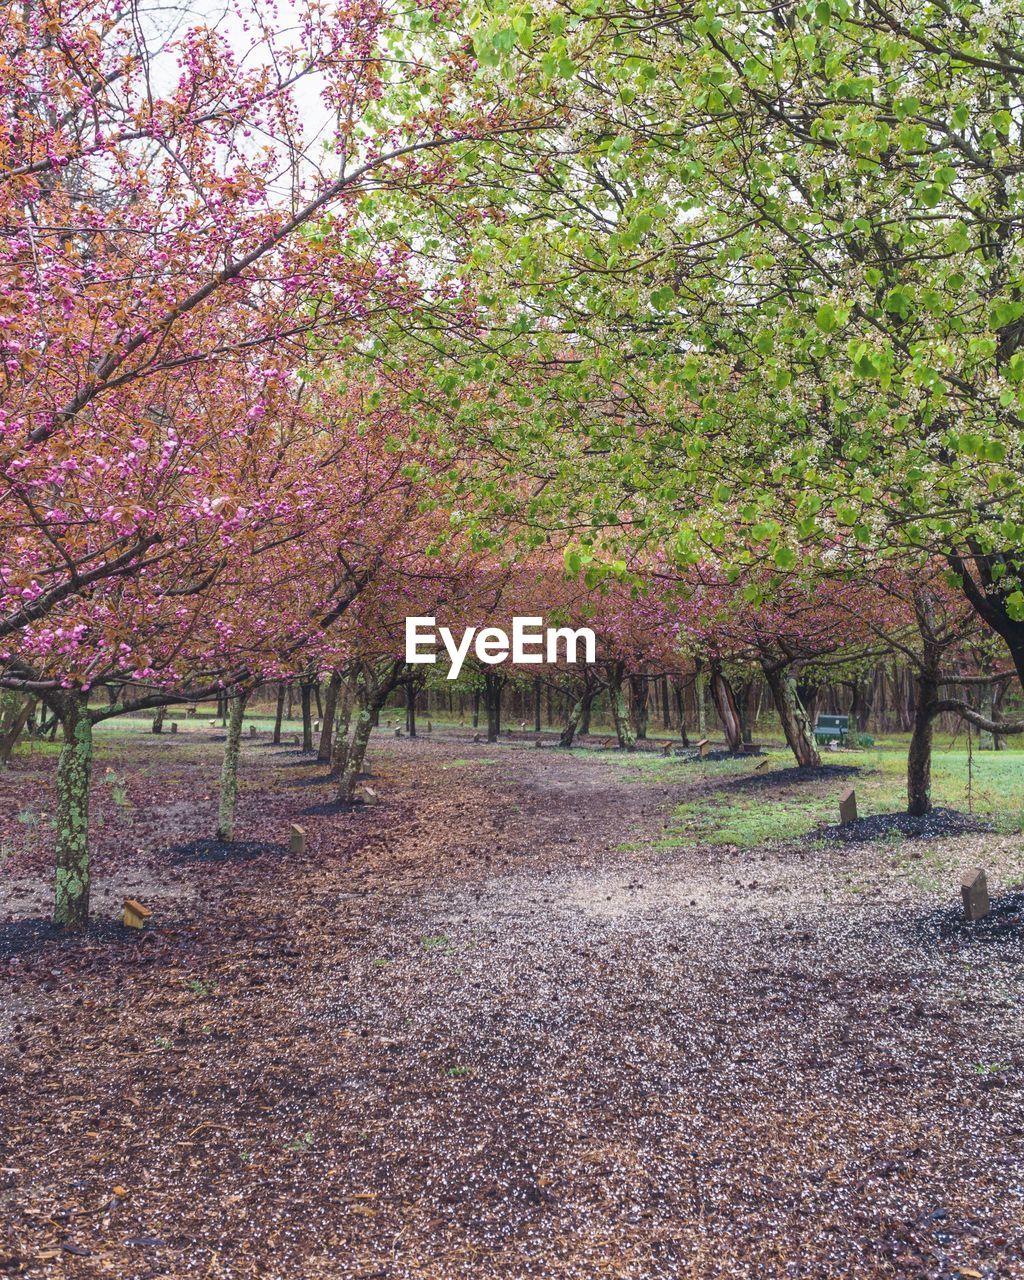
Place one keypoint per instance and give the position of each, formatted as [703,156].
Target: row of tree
[696,324]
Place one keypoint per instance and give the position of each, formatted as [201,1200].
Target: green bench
[832,729]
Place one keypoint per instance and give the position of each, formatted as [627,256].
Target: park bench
[832,729]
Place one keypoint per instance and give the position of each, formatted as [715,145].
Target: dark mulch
[776,779]
[1003,924]
[692,756]
[225,851]
[932,826]
[34,935]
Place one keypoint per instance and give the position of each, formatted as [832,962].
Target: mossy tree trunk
[355,753]
[74,771]
[373,687]
[229,768]
[572,723]
[796,724]
[620,711]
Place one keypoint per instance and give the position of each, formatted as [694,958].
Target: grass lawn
[992,789]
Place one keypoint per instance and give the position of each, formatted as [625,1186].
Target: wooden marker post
[974,891]
[134,914]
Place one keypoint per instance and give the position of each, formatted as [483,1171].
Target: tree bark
[279,714]
[699,687]
[620,711]
[796,724]
[641,701]
[572,723]
[372,692]
[306,690]
[677,690]
[536,705]
[229,768]
[12,728]
[74,771]
[158,719]
[355,754]
[725,704]
[492,703]
[919,758]
[589,694]
[323,754]
[410,710]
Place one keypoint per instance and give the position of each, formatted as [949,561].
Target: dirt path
[471,1035]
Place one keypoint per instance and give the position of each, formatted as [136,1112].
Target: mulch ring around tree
[934,825]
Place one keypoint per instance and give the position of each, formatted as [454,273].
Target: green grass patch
[996,790]
[746,820]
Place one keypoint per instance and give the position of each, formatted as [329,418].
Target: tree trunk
[677,690]
[74,770]
[343,714]
[699,687]
[158,720]
[572,724]
[355,754]
[323,754]
[588,705]
[492,703]
[319,704]
[808,695]
[999,741]
[620,712]
[641,701]
[410,710]
[725,704]
[537,689]
[476,708]
[986,740]
[796,724]
[12,728]
[279,714]
[919,758]
[306,693]
[229,768]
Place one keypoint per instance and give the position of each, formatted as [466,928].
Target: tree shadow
[1001,929]
[225,851]
[35,934]
[786,777]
